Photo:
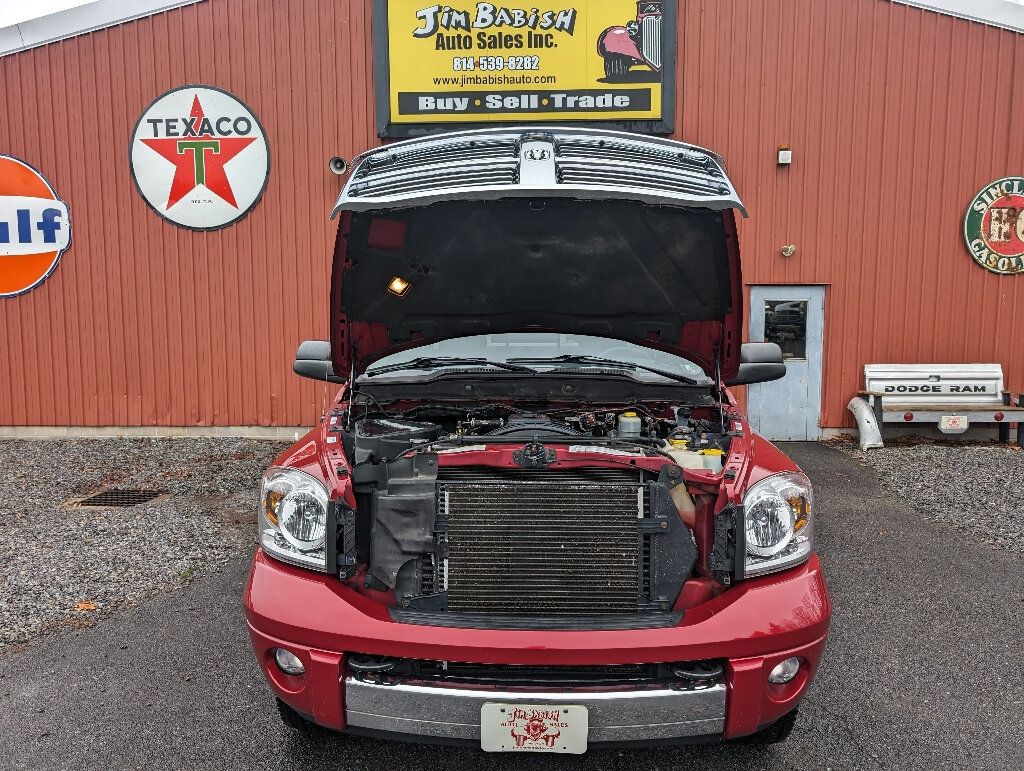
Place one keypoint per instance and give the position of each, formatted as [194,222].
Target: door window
[785,323]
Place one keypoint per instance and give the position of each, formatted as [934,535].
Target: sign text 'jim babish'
[445,25]
[592,60]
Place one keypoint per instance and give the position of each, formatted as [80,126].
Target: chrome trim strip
[614,716]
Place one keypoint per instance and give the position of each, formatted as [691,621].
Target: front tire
[776,733]
[296,721]
[616,66]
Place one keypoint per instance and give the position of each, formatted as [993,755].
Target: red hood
[656,276]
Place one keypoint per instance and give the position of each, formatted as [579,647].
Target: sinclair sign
[199,157]
[994,226]
[609,62]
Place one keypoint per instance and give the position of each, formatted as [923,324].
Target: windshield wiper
[436,362]
[597,360]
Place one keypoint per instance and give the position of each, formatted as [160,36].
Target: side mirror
[313,360]
[759,363]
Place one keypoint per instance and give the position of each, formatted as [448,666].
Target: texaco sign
[199,157]
[994,226]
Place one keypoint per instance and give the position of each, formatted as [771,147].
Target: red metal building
[896,116]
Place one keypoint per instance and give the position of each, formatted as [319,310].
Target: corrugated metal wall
[897,117]
[144,323]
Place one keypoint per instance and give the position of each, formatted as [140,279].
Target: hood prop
[351,391]
[719,384]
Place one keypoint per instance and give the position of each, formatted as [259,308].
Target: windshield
[536,347]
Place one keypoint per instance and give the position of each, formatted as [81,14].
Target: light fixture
[288,662]
[785,671]
[399,287]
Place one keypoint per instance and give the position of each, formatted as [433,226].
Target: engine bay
[377,435]
[440,487]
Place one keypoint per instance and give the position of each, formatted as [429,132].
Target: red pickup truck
[534,518]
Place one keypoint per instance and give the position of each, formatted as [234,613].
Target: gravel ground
[65,566]
[979,488]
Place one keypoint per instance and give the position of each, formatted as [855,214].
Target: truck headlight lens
[293,518]
[778,523]
[302,518]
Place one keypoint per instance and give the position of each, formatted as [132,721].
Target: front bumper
[753,627]
[614,716]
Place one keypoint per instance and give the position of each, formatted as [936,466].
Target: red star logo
[199,157]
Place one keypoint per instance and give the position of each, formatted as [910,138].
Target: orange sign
[35,227]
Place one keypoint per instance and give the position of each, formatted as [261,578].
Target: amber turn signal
[801,510]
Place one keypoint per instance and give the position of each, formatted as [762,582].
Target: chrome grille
[651,30]
[452,175]
[491,164]
[542,542]
[404,158]
[581,161]
[596,173]
[423,167]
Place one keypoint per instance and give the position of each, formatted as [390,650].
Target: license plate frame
[543,728]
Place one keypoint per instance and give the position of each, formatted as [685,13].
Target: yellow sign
[484,62]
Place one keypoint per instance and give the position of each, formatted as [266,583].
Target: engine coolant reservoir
[701,460]
[684,459]
[629,425]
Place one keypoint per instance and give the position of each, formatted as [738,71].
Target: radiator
[542,542]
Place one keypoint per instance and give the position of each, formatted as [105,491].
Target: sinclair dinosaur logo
[994,226]
[199,157]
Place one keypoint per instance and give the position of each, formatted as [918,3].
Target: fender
[867,423]
[616,41]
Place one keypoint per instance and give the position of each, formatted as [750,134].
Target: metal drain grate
[119,499]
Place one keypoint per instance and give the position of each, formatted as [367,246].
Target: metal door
[794,317]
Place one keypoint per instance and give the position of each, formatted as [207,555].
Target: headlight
[632,28]
[293,518]
[778,523]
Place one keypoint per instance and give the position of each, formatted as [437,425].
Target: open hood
[641,247]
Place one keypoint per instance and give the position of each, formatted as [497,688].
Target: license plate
[953,423]
[533,728]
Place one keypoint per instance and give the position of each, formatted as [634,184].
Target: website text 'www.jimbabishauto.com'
[496,80]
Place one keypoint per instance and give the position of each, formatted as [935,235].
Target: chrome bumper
[614,716]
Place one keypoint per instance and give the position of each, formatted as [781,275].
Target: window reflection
[785,323]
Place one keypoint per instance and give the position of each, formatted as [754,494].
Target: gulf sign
[35,227]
